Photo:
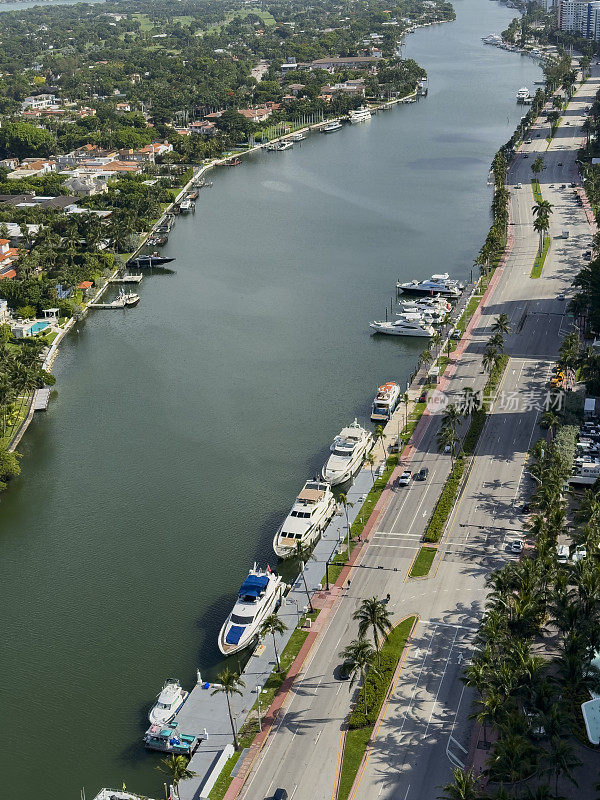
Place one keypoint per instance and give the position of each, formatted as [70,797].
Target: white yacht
[437,284]
[185,206]
[285,146]
[310,515]
[258,597]
[493,38]
[169,701]
[297,137]
[403,326]
[348,452]
[436,303]
[361,114]
[429,315]
[385,401]
[331,127]
[522,94]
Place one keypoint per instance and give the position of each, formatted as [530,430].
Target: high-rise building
[575,16]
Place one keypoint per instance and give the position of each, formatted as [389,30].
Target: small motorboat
[152,260]
[233,162]
[168,703]
[297,137]
[131,299]
[185,206]
[285,146]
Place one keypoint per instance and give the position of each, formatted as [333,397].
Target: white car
[519,186]
[562,553]
[404,479]
[517,546]
[579,554]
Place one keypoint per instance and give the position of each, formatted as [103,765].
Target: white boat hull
[397,331]
[338,477]
[309,538]
[251,631]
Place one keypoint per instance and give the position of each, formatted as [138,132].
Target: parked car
[562,553]
[519,186]
[423,397]
[587,254]
[404,479]
[517,546]
[456,334]
[422,474]
[396,444]
[561,297]
[526,508]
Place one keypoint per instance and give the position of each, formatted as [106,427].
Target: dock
[118,303]
[126,279]
[205,714]
[41,398]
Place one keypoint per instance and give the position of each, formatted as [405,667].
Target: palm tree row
[531,702]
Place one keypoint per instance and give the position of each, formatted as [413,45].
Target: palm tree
[490,359]
[379,435]
[447,438]
[501,324]
[343,499]
[540,225]
[176,767]
[496,341]
[271,625]
[463,788]
[229,683]
[358,657]
[549,421]
[373,614]
[537,166]
[562,760]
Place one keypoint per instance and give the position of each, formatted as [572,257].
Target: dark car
[525,155]
[587,254]
[342,671]
[526,509]
[422,474]
[560,163]
[280,794]
[423,397]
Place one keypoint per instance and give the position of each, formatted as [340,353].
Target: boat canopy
[253,586]
[311,495]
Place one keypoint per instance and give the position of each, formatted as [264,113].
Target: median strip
[422,562]
[375,690]
[538,264]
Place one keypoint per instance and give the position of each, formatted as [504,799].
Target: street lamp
[295,602]
[258,690]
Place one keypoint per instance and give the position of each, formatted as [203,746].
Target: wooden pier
[40,401]
[118,303]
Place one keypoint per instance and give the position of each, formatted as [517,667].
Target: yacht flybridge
[522,94]
[385,401]
[404,325]
[258,597]
[309,516]
[348,452]
[438,284]
[436,303]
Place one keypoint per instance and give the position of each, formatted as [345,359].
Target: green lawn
[377,687]
[144,20]
[537,192]
[422,563]
[467,314]
[538,264]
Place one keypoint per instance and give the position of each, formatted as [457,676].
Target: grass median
[375,689]
[422,563]
[538,264]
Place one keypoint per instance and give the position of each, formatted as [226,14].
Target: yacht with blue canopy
[259,596]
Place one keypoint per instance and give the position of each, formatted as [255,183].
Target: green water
[183,428]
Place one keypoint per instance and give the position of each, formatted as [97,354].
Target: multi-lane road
[425,730]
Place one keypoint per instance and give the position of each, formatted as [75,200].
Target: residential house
[353,87]
[289,66]
[352,62]
[8,255]
[85,184]
[295,88]
[255,114]
[39,101]
[123,108]
[205,127]
[32,168]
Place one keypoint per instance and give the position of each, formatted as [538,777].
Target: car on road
[404,479]
[563,186]
[422,474]
[525,155]
[517,546]
[561,297]
[538,135]
[587,254]
[560,163]
[456,334]
[552,186]
[280,794]
[573,185]
[567,122]
[526,508]
[519,186]
[562,553]
[423,397]
[343,671]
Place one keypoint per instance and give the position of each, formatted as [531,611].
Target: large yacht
[404,326]
[348,452]
[309,516]
[385,401]
[170,700]
[359,115]
[522,94]
[258,597]
[437,284]
[331,127]
[428,315]
[436,303]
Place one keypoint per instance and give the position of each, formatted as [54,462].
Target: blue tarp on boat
[253,585]
[234,634]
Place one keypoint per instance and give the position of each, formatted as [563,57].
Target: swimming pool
[36,327]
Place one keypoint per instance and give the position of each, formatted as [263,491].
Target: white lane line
[416,686]
[437,694]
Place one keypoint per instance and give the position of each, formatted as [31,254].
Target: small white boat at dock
[297,137]
[438,284]
[331,127]
[348,452]
[286,145]
[169,701]
[259,595]
[310,515]
[185,206]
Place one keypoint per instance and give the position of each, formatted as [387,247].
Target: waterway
[183,428]
[25,4]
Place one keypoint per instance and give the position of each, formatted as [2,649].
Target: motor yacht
[169,701]
[385,401]
[297,137]
[185,206]
[436,303]
[404,326]
[131,299]
[331,127]
[285,146]
[361,114]
[348,452]
[310,515]
[522,94]
[429,315]
[258,597]
[437,284]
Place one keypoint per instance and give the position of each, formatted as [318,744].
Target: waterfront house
[255,114]
[352,62]
[85,184]
[8,256]
[32,168]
